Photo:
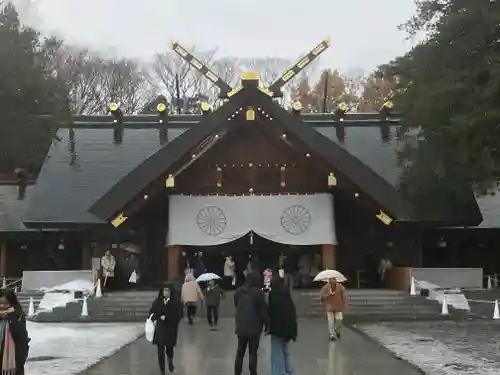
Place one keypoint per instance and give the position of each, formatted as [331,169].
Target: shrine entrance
[257,231]
[255,253]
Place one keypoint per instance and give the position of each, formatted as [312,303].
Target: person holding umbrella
[334,297]
[166,312]
[213,295]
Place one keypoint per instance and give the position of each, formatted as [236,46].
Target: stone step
[362,292]
[362,299]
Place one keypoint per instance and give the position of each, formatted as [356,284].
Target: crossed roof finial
[274,90]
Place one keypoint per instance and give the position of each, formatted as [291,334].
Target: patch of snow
[51,300]
[430,355]
[422,284]
[76,346]
[72,286]
[454,296]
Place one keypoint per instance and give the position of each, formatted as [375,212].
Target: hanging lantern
[219,177]
[332,180]
[283,176]
[170,181]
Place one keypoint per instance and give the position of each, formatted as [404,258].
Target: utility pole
[325,92]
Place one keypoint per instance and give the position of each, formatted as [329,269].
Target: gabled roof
[155,166]
[68,185]
[342,161]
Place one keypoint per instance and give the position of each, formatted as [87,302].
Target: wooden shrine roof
[88,181]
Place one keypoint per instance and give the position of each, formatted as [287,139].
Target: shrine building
[248,176]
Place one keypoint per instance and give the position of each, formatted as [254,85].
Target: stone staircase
[364,306]
[24,299]
[367,305]
[132,306]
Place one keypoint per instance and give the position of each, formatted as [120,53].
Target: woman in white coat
[230,272]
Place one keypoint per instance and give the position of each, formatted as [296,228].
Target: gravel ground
[443,348]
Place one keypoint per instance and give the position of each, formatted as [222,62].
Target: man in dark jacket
[282,327]
[251,318]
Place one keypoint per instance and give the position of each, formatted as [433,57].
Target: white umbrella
[207,277]
[131,248]
[330,274]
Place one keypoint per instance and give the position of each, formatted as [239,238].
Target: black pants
[110,284]
[191,312]
[213,315]
[253,347]
[162,350]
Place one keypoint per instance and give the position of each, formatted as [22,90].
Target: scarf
[8,349]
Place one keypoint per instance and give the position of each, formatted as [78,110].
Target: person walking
[166,312]
[213,296]
[13,333]
[385,265]
[282,326]
[108,263]
[191,294]
[334,297]
[251,318]
[230,273]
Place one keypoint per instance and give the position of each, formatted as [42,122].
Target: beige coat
[229,268]
[336,300]
[191,292]
[108,264]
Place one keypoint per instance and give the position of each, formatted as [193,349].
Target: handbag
[149,328]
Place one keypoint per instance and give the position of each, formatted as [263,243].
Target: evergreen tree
[28,89]
[449,86]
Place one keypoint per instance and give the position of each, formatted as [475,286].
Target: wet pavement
[202,352]
[471,347]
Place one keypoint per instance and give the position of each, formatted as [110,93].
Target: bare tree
[93,81]
[165,67]
[124,82]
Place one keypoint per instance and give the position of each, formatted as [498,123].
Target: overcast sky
[363,32]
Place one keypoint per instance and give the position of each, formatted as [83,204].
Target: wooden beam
[187,121]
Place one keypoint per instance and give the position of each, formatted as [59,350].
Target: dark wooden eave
[155,166]
[341,160]
[186,121]
[366,179]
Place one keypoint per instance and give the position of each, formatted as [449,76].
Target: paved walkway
[202,352]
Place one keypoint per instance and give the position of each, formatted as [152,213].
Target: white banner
[287,219]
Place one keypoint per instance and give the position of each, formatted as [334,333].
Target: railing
[491,281]
[11,283]
[432,292]
[443,299]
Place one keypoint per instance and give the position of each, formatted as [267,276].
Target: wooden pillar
[173,256]
[86,254]
[329,256]
[3,259]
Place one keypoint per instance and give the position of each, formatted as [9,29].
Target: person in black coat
[166,312]
[282,326]
[251,319]
[13,329]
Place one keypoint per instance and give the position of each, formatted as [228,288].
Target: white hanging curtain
[287,219]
